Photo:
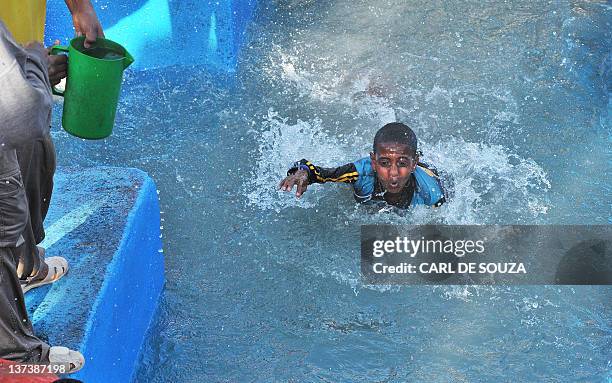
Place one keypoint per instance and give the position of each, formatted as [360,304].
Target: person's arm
[304,173]
[36,68]
[25,95]
[85,20]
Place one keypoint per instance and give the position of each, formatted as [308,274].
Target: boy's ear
[373,159]
[416,161]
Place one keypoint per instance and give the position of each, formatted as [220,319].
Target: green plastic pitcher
[92,86]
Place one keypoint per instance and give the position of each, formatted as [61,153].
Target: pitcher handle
[55,50]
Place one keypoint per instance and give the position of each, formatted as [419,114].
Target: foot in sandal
[57,268]
[67,361]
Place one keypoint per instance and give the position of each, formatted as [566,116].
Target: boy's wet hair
[396,133]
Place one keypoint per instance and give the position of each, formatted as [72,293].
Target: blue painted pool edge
[127,303]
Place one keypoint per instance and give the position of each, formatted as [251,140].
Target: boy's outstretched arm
[304,173]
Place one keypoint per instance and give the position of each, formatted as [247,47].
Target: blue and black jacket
[424,187]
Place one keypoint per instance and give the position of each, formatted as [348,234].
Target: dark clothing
[13,209]
[38,168]
[27,162]
[17,340]
[424,187]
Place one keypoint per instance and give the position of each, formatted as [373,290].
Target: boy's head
[394,156]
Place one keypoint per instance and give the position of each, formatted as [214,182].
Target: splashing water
[488,180]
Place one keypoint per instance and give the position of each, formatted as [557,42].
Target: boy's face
[393,164]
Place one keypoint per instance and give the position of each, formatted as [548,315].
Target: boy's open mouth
[394,186]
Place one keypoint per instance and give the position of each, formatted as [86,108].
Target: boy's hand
[58,66]
[299,178]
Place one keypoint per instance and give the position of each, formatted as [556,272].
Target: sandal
[73,360]
[58,267]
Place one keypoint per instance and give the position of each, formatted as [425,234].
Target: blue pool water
[510,99]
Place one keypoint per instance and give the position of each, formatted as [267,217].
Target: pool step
[106,222]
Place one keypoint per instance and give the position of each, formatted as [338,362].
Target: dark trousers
[37,163]
[24,202]
[17,339]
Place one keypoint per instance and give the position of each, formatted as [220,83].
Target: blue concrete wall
[106,222]
[160,33]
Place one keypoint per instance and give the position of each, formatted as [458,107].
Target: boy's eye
[384,163]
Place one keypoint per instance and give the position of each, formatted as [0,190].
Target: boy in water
[392,173]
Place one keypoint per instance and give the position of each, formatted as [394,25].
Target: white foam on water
[280,146]
[486,182]
[313,85]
